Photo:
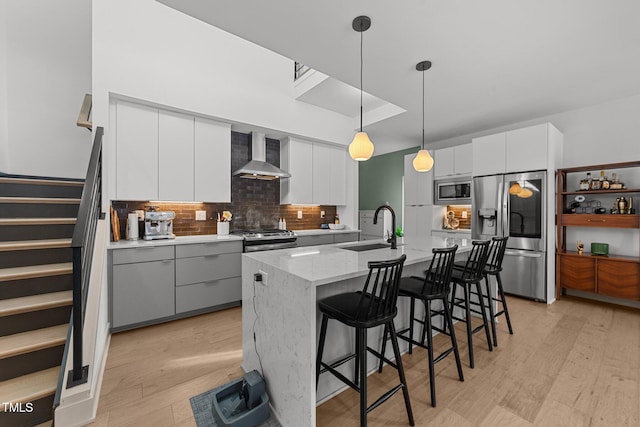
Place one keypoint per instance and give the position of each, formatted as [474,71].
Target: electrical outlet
[263,277]
[201,215]
[299,214]
[322,214]
[464,214]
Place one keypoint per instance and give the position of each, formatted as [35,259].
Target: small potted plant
[223,223]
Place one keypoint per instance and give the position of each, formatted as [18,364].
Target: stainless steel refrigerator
[514,205]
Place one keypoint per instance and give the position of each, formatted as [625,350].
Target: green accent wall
[380,181]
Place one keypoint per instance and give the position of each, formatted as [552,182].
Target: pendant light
[361,148]
[423,162]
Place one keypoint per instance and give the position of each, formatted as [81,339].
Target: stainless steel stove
[268,239]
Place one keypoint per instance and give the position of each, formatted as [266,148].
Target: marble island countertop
[319,265]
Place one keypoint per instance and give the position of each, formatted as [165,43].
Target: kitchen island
[280,319]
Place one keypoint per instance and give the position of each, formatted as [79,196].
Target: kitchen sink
[369,247]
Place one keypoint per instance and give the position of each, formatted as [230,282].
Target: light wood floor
[573,363]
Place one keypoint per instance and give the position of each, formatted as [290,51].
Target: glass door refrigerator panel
[524,221]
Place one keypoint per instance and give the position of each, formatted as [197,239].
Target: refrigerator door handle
[505,208]
[525,254]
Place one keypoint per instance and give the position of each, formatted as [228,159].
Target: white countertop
[320,231]
[180,240]
[330,263]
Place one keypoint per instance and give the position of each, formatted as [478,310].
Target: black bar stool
[434,286]
[471,275]
[493,268]
[375,305]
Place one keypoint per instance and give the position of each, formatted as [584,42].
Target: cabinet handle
[596,220]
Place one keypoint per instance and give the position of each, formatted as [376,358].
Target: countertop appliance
[159,225]
[267,239]
[514,205]
[452,191]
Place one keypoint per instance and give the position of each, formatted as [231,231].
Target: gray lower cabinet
[208,275]
[326,239]
[143,286]
[154,284]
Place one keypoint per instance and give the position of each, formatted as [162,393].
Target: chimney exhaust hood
[258,168]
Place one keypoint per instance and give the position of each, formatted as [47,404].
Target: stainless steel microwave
[455,191]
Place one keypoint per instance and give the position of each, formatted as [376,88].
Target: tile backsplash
[254,203]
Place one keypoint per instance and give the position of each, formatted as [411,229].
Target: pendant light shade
[515,188]
[423,162]
[361,148]
[525,193]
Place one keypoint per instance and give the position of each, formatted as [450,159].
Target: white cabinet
[417,221]
[489,154]
[296,157]
[453,161]
[212,148]
[318,173]
[136,152]
[418,186]
[175,157]
[162,155]
[532,148]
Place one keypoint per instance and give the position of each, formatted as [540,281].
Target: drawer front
[314,240]
[620,279]
[578,273]
[142,292]
[209,248]
[345,237]
[208,294]
[207,268]
[142,254]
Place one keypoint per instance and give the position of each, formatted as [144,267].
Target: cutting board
[115,225]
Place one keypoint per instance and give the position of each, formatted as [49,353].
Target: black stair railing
[82,243]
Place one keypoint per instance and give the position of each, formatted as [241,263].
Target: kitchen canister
[600,249]
[132,226]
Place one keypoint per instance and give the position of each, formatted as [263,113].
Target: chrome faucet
[392,239]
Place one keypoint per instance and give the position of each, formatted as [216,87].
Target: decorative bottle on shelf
[604,181]
[280,224]
[337,220]
[595,184]
[284,224]
[589,181]
[584,184]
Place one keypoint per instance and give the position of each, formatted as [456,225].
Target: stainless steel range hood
[258,168]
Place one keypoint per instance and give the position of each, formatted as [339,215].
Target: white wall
[48,71]
[4,148]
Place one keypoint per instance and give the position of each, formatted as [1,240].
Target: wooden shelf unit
[613,275]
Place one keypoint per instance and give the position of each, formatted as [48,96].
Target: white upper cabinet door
[526,149]
[296,157]
[337,156]
[175,157]
[489,154]
[323,156]
[136,152]
[418,186]
[212,161]
[444,162]
[463,159]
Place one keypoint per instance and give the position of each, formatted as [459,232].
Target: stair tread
[31,387]
[50,200]
[32,271]
[36,181]
[9,307]
[36,221]
[21,245]
[25,342]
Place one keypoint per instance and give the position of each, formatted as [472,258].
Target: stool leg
[385,336]
[467,309]
[432,375]
[485,321]
[362,358]
[323,334]
[452,335]
[403,380]
[412,316]
[356,375]
[492,313]
[504,302]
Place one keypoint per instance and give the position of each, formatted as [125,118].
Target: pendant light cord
[423,109]
[361,44]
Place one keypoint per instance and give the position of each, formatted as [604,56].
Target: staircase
[37,217]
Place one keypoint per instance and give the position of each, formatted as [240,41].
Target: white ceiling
[495,62]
